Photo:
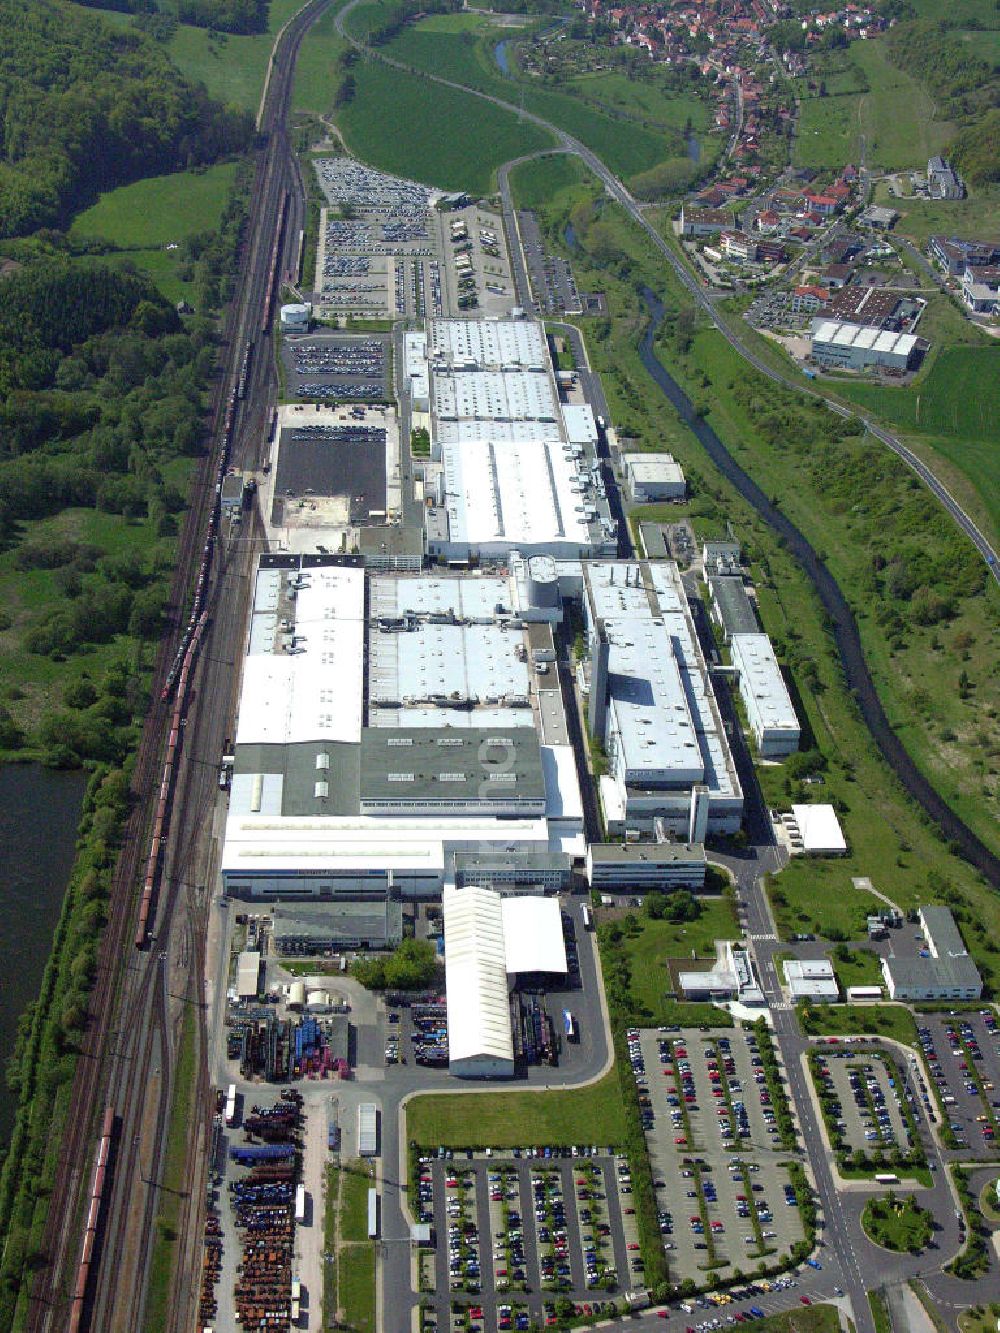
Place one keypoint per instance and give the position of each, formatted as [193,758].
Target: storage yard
[337,367]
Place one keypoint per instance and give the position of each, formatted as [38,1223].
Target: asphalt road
[567,143]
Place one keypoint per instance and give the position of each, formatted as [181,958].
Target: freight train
[94,1203]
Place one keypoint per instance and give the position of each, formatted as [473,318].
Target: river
[845,629]
[39,814]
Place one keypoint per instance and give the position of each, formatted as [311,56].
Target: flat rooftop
[526,494]
[733,604]
[761,676]
[456,665]
[488,395]
[331,452]
[664,706]
[461,764]
[487,344]
[304,682]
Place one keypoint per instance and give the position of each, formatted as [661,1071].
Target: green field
[856,967]
[659,941]
[464,58]
[976,218]
[356,1288]
[957,406]
[231,68]
[636,97]
[519,1119]
[986,45]
[896,116]
[407,125]
[818,897]
[355,1183]
[160,209]
[536,183]
[815,1319]
[858,1020]
[963,13]
[316,77]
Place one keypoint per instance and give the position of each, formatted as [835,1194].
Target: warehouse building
[943,181]
[489,941]
[654,477]
[310,929]
[946,973]
[652,706]
[854,347]
[770,712]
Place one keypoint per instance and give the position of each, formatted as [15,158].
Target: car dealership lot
[722,1190]
[868,1091]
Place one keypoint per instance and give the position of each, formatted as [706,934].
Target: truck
[300,1203]
[367,1130]
[296,1295]
[569,1026]
[230,1114]
[886,1178]
[372,1214]
[588,920]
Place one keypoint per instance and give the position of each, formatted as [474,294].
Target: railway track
[130,1032]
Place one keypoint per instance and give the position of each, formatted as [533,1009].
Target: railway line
[98,1276]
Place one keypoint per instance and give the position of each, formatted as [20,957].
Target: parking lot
[552,282]
[962,1051]
[518,1230]
[867,1091]
[334,367]
[724,1197]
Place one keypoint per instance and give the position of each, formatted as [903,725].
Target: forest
[84,108]
[236,16]
[965,88]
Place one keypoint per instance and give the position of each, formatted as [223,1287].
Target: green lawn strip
[755,1226]
[330,1215]
[880,1312]
[973,1260]
[356,1282]
[405,124]
[176,1179]
[519,1119]
[847,1020]
[317,76]
[776,1087]
[355,1182]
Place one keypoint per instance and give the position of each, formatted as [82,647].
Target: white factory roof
[659,684]
[487,344]
[259,844]
[654,467]
[839,334]
[476,975]
[754,655]
[533,935]
[562,785]
[474,658]
[457,432]
[820,828]
[313,692]
[526,494]
[581,426]
[488,395]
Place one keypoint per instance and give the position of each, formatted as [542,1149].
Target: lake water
[694,148]
[500,55]
[39,814]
